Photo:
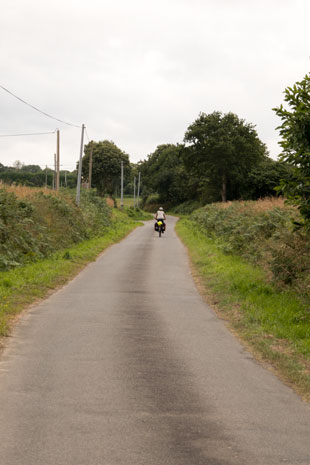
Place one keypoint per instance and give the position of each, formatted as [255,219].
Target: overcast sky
[138,72]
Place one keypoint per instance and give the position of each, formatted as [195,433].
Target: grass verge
[22,286]
[275,325]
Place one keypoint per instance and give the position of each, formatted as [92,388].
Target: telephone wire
[37,109]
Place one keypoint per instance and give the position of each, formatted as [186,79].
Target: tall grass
[23,192]
[261,205]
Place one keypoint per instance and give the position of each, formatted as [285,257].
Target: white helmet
[160,208]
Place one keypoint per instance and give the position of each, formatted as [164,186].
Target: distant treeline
[221,158]
[33,175]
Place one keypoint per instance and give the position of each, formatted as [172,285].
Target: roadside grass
[138,214]
[23,285]
[274,324]
[134,213]
[128,202]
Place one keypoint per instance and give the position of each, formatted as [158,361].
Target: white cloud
[140,72]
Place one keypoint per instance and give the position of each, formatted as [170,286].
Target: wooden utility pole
[57,162]
[122,184]
[90,163]
[54,175]
[78,186]
[46,177]
[134,192]
[65,178]
[139,181]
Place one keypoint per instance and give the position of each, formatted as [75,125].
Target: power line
[87,135]
[37,109]
[30,134]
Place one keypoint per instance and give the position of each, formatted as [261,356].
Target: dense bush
[21,238]
[137,214]
[152,203]
[36,226]
[242,228]
[264,234]
[96,213]
[187,207]
[290,261]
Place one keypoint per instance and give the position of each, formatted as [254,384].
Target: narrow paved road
[127,365]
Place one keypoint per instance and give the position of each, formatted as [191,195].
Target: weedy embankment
[254,268]
[45,240]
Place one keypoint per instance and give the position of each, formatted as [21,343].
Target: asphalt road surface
[127,365]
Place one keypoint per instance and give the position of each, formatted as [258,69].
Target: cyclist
[160,215]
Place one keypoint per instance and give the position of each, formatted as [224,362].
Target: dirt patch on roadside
[110,202]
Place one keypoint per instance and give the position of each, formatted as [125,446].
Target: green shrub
[153,202]
[43,223]
[290,262]
[18,232]
[266,237]
[137,214]
[242,229]
[187,207]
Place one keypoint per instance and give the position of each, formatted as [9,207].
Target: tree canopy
[221,150]
[263,179]
[33,175]
[31,168]
[222,159]
[106,166]
[163,172]
[295,132]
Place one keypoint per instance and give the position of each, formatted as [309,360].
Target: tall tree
[31,168]
[221,151]
[295,132]
[263,179]
[163,172]
[18,165]
[106,169]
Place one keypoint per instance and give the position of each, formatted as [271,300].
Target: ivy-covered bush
[264,236]
[18,231]
[187,207]
[241,228]
[34,227]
